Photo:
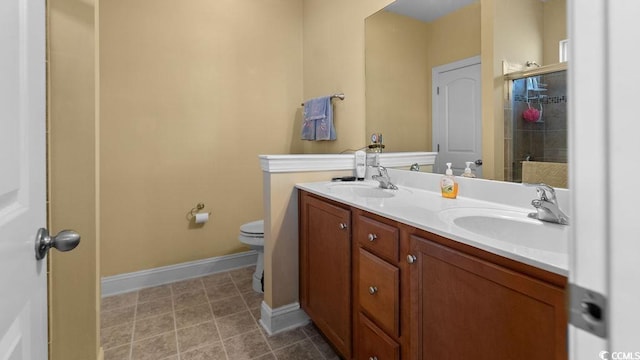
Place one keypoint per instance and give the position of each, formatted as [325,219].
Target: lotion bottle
[467,171]
[448,184]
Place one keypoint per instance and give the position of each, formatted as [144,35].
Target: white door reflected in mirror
[457,115]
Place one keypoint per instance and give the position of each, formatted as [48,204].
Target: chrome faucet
[415,167]
[547,205]
[384,179]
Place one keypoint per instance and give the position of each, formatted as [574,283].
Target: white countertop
[427,210]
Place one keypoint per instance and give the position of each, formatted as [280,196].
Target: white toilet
[252,234]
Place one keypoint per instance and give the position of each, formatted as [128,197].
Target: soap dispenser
[467,171]
[448,184]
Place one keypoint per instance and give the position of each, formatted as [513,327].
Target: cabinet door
[468,308]
[325,269]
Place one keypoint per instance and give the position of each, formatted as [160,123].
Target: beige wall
[489,134]
[74,295]
[555,29]
[518,38]
[455,36]
[190,96]
[333,53]
[397,81]
[400,55]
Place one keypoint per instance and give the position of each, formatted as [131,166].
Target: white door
[623,129]
[457,117]
[23,280]
[603,117]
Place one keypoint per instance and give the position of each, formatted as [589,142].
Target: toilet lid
[253,228]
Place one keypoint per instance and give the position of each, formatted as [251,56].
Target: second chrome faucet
[547,205]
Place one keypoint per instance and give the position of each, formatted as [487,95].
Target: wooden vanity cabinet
[325,268]
[469,304]
[379,289]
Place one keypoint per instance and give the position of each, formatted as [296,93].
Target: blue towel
[318,120]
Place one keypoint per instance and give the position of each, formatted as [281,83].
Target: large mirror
[410,44]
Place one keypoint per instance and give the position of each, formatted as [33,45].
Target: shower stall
[536,126]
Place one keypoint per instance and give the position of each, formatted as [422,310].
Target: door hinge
[438,148]
[437,90]
[588,310]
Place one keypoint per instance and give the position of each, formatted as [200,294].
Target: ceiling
[427,10]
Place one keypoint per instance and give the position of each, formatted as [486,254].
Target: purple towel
[318,120]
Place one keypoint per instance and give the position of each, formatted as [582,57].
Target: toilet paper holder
[195,210]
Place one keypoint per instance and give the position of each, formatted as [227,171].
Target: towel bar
[334,96]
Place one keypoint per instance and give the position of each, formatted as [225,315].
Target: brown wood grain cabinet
[379,289]
[467,307]
[325,269]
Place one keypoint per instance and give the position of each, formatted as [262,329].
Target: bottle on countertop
[360,164]
[467,171]
[448,184]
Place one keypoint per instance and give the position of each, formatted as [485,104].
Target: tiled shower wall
[545,140]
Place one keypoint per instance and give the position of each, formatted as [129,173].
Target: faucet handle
[545,192]
[383,171]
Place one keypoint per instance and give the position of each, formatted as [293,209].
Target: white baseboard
[117,284]
[281,319]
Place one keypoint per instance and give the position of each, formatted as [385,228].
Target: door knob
[372,237]
[411,259]
[478,162]
[373,290]
[343,226]
[65,240]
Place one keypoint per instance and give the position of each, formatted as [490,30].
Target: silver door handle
[65,240]
[478,162]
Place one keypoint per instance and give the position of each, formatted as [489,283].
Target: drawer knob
[373,290]
[372,237]
[343,226]
[411,259]
[373,358]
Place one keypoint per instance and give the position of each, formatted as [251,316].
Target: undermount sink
[367,189]
[509,226]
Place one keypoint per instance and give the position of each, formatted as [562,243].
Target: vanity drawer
[379,238]
[378,291]
[373,343]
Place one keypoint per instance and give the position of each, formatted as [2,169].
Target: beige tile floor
[213,317]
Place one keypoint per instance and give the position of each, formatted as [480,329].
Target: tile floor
[209,318]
